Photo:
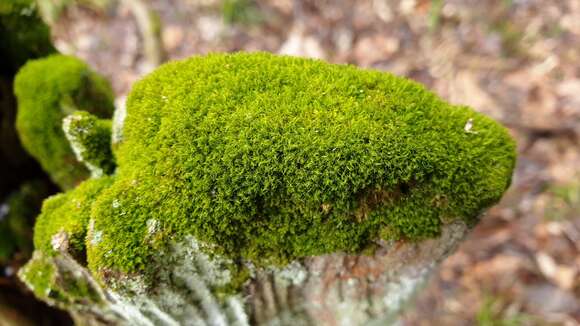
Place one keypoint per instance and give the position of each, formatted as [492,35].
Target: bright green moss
[40,274]
[62,287]
[90,139]
[273,158]
[48,90]
[69,213]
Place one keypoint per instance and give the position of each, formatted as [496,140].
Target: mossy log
[267,190]
[333,289]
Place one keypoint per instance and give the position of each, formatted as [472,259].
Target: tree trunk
[336,289]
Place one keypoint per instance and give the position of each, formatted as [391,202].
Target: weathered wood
[336,289]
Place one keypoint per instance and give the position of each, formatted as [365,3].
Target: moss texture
[47,90]
[40,273]
[70,213]
[90,139]
[23,36]
[56,285]
[271,158]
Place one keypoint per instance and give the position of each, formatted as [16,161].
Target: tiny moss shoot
[90,139]
[272,158]
[47,90]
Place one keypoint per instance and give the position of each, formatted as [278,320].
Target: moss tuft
[40,274]
[90,139]
[48,90]
[69,213]
[52,282]
[271,158]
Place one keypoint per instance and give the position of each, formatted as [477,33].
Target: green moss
[68,212]
[90,139]
[272,158]
[22,37]
[7,242]
[17,215]
[23,34]
[62,287]
[47,90]
[40,273]
[74,289]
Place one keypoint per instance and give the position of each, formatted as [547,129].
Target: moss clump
[47,90]
[90,139]
[272,158]
[23,36]
[68,213]
[53,282]
[39,273]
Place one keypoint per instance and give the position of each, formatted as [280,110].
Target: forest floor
[517,61]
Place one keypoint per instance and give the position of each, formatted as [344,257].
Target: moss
[22,37]
[61,287]
[69,213]
[39,273]
[74,289]
[240,274]
[23,34]
[17,215]
[90,139]
[47,90]
[272,158]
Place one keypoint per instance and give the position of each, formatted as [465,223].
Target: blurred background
[517,61]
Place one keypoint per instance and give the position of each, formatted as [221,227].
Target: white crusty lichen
[72,135]
[294,273]
[119,116]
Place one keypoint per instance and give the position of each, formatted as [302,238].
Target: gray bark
[335,289]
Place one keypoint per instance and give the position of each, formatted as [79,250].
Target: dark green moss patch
[48,90]
[17,214]
[272,158]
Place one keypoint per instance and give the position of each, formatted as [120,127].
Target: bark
[335,289]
